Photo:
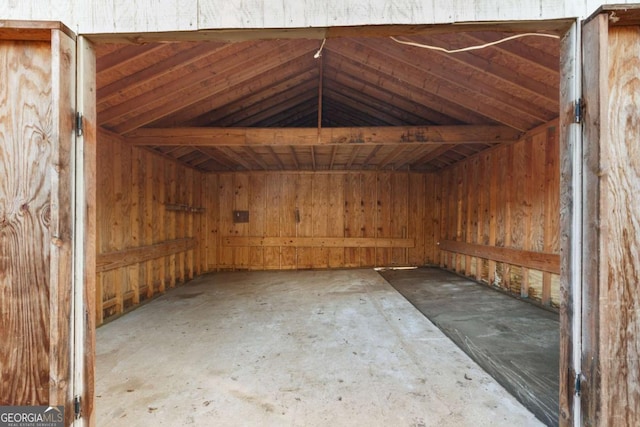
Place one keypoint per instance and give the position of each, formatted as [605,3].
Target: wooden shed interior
[353,151]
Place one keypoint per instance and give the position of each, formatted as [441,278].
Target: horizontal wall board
[111,260]
[319,242]
[536,260]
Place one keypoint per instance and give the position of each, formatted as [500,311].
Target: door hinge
[77,406]
[578,385]
[79,124]
[578,110]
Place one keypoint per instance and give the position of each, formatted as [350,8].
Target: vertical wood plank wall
[376,206]
[150,220]
[507,197]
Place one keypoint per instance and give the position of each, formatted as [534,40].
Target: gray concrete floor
[309,348]
[515,341]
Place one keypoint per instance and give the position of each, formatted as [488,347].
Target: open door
[40,270]
[601,312]
[610,388]
[85,242]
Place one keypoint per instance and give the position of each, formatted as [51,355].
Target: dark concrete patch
[515,342]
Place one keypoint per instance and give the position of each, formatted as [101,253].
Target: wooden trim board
[318,242]
[529,259]
[112,260]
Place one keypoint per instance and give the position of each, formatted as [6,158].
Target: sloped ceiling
[382,105]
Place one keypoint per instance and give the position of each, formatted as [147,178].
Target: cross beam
[415,135]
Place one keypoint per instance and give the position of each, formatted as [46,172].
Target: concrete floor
[309,348]
[515,341]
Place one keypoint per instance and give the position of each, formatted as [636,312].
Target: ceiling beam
[411,135]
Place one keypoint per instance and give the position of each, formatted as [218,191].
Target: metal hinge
[578,385]
[77,406]
[578,110]
[79,124]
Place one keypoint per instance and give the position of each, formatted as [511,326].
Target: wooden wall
[303,220]
[150,218]
[499,216]
[494,216]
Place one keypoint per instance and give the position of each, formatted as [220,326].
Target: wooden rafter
[412,89]
[418,75]
[462,78]
[238,97]
[180,58]
[200,85]
[483,64]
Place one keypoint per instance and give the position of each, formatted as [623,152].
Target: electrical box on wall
[240,216]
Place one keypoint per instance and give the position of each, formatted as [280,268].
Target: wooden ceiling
[256,105]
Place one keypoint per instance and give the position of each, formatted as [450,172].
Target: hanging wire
[319,52]
[465,49]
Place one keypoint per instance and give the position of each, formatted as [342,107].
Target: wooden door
[606,237]
[37,143]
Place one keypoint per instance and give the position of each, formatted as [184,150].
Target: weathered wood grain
[61,229]
[26,236]
[619,240]
[86,244]
[585,252]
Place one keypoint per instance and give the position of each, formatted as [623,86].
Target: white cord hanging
[465,49]
[319,52]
